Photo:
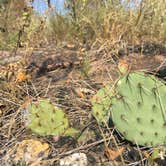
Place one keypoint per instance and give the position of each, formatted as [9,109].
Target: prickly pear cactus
[45,119]
[139,109]
[101,104]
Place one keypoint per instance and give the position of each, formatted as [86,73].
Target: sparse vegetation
[115,20]
[75,59]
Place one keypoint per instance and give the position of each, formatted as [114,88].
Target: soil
[70,77]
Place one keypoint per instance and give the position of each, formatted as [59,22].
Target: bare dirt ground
[69,77]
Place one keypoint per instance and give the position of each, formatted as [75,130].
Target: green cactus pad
[45,119]
[101,104]
[139,109]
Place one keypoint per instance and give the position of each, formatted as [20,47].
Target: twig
[81,148]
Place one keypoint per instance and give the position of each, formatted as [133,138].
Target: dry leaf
[146,154]
[79,93]
[21,76]
[113,154]
[83,49]
[70,46]
[68,81]
[123,66]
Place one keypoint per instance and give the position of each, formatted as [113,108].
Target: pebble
[76,159]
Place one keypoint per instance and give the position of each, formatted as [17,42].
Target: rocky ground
[69,75]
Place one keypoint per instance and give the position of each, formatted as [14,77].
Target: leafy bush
[18,23]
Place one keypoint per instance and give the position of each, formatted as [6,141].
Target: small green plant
[156,154]
[101,103]
[45,119]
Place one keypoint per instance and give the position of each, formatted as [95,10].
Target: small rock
[31,151]
[76,159]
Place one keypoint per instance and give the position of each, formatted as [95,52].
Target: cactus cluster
[46,119]
[137,106]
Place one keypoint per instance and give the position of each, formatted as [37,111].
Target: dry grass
[130,23]
[101,37]
[72,93]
